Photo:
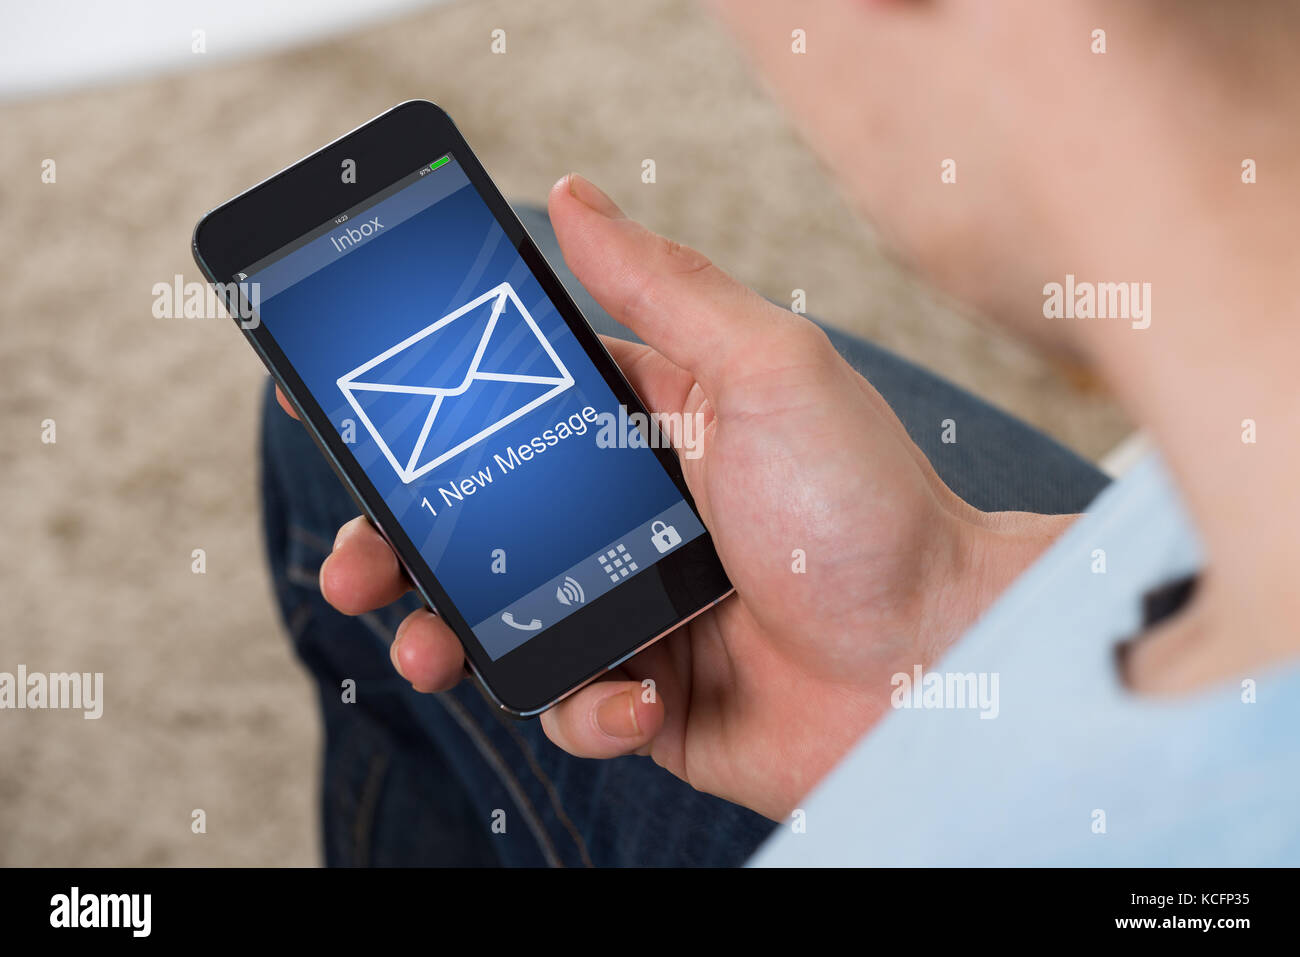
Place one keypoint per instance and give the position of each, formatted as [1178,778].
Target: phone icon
[509,619]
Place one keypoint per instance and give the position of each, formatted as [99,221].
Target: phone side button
[621,660]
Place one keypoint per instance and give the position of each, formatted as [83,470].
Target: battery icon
[439,162]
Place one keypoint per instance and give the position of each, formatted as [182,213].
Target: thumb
[668,294]
[604,720]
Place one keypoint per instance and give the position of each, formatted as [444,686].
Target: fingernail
[591,196]
[616,716]
[392,648]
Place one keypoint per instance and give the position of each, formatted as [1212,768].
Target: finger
[668,294]
[604,720]
[285,403]
[362,573]
[662,386]
[426,653]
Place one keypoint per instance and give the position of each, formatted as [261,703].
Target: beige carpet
[155,417]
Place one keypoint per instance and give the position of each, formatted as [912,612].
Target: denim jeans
[447,779]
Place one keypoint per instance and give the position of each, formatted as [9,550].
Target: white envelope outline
[354,381]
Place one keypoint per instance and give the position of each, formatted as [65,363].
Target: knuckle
[806,343]
[681,259]
[670,263]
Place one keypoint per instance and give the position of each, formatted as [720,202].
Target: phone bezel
[594,639]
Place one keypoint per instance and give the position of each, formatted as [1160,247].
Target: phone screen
[472,408]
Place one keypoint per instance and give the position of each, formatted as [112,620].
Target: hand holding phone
[852,560]
[466,404]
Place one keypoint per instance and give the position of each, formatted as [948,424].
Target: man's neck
[1215,380]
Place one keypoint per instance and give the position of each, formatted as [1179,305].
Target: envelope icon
[455,382]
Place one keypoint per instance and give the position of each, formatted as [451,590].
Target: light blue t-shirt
[1074,769]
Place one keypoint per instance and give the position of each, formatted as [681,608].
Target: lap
[448,778]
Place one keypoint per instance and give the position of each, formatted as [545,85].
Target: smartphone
[466,404]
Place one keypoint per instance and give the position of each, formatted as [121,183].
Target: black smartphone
[466,404]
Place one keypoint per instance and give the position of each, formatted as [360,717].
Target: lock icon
[664,537]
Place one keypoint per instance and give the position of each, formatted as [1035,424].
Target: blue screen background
[550,512]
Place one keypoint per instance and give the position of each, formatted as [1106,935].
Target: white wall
[55,44]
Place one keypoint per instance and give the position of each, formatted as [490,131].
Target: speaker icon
[570,592]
